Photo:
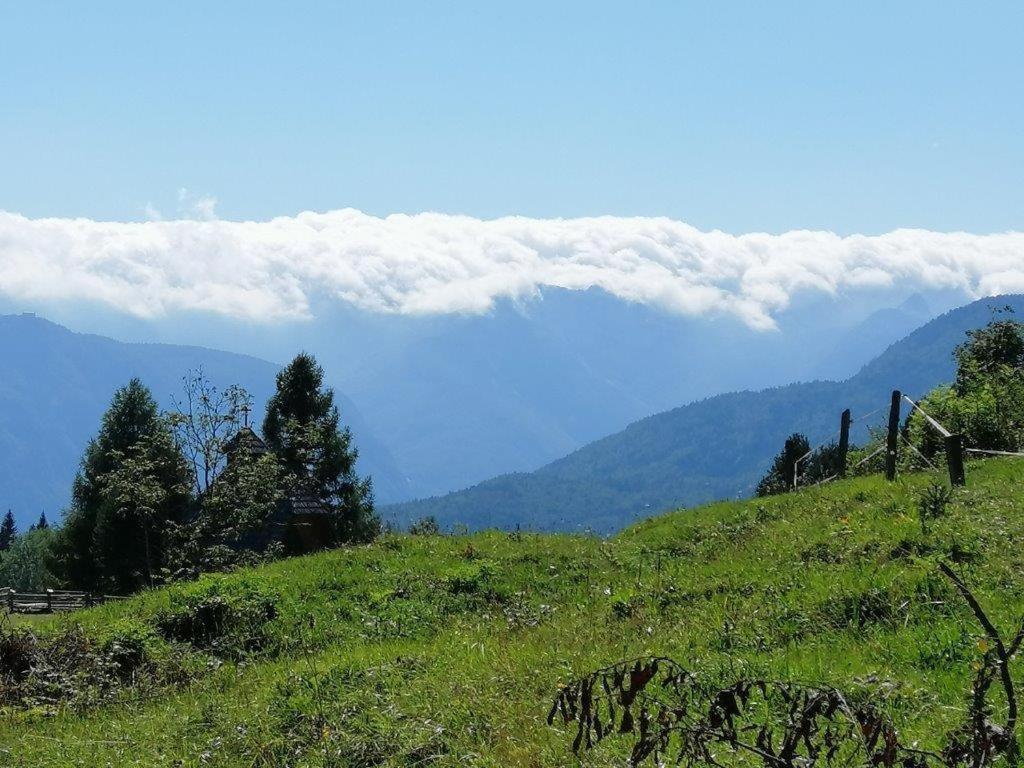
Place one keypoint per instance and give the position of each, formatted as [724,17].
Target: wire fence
[846,423]
[955,449]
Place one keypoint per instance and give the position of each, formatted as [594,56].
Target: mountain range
[437,403]
[460,398]
[711,449]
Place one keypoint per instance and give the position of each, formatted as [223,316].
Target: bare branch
[997,641]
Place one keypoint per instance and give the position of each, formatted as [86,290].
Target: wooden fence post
[844,441]
[10,600]
[892,438]
[49,601]
[955,459]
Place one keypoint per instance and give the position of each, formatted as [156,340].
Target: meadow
[448,650]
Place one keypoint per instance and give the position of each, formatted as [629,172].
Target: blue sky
[850,117]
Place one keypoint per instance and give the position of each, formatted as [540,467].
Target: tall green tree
[8,531]
[302,427]
[144,494]
[132,483]
[237,486]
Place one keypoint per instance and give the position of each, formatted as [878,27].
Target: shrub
[17,651]
[71,666]
[861,608]
[127,648]
[626,606]
[425,526]
[225,619]
[986,404]
[469,579]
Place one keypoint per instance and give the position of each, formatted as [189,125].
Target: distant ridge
[55,385]
[712,449]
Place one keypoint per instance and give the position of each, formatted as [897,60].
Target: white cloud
[190,206]
[435,263]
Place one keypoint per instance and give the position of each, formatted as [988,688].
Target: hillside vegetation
[437,650]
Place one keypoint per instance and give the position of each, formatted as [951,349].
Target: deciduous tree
[205,419]
[133,479]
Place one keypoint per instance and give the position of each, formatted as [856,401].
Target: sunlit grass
[446,650]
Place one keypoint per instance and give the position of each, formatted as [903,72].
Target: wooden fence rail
[50,600]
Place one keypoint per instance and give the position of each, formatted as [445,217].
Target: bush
[781,475]
[986,404]
[469,579]
[71,666]
[862,608]
[226,619]
[17,652]
[426,526]
[127,649]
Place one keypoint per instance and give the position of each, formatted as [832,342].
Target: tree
[781,476]
[100,541]
[205,419]
[985,404]
[139,494]
[8,531]
[25,565]
[997,349]
[235,512]
[41,524]
[822,464]
[302,427]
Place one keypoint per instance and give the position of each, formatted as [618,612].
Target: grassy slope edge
[446,650]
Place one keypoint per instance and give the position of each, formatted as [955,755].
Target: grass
[447,650]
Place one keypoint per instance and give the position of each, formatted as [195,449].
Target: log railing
[50,600]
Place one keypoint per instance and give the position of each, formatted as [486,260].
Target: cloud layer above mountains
[435,263]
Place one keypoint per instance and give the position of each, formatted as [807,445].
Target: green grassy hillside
[446,650]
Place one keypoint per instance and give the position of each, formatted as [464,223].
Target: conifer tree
[8,531]
[302,428]
[781,476]
[132,482]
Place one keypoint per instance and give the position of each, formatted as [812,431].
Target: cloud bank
[427,263]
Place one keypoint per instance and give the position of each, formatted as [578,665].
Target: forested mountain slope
[715,448]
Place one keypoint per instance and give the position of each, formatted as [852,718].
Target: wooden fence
[50,600]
